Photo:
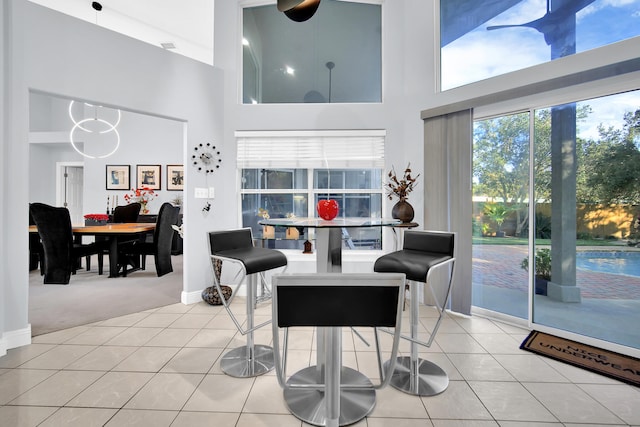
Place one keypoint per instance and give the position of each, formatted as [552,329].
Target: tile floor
[160,368]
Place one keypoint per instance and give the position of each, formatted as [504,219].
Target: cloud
[608,111]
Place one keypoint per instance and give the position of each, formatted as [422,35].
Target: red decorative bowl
[327,209]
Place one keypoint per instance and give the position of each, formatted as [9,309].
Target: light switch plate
[212,192]
[201,193]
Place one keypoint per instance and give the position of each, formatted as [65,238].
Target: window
[322,61]
[492,38]
[286,173]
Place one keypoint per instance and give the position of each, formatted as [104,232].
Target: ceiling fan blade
[497,27]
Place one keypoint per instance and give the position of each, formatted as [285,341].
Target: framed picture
[175,177]
[118,177]
[149,176]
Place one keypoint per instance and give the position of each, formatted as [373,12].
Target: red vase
[327,209]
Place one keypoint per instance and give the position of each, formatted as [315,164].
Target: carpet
[90,298]
[615,365]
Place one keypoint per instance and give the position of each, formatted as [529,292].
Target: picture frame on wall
[175,177]
[118,177]
[149,176]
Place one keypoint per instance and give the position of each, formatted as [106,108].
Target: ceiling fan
[298,10]
[552,21]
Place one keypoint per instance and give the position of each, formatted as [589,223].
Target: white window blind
[311,149]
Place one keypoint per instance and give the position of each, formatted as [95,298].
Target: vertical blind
[362,149]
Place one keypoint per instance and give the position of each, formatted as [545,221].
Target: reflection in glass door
[501,215]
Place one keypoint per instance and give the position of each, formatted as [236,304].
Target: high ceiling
[186,24]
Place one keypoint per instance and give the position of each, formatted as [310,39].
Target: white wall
[53,53]
[408,79]
[144,140]
[4,153]
[44,56]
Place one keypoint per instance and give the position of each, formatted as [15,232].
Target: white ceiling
[187,24]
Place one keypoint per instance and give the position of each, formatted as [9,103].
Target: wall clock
[206,158]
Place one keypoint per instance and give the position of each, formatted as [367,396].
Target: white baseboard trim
[13,339]
[188,298]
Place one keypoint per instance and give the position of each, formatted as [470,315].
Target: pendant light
[298,10]
[82,125]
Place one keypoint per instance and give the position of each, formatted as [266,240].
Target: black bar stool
[332,394]
[422,254]
[236,246]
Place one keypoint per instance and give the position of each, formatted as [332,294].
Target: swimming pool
[613,262]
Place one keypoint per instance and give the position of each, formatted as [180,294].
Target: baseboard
[13,339]
[191,297]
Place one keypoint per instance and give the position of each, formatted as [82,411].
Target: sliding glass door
[557,217]
[587,193]
[500,214]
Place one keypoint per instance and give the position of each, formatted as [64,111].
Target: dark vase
[403,211]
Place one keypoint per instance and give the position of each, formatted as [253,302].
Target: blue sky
[482,53]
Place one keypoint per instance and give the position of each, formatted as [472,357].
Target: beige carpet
[90,298]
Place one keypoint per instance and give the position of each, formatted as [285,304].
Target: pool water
[613,262]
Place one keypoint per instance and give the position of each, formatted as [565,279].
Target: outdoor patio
[608,311]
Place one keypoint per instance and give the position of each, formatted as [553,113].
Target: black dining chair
[121,214]
[126,213]
[61,253]
[36,251]
[159,247]
[330,394]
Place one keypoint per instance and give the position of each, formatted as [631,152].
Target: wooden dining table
[113,234]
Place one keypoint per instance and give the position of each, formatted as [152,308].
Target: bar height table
[355,404]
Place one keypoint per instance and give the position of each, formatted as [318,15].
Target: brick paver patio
[499,266]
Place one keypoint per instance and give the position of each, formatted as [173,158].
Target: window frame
[378,137]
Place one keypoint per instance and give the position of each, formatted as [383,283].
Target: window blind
[312,149]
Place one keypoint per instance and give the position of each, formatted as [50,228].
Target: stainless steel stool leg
[414,375]
[249,360]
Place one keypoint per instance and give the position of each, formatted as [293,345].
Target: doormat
[603,362]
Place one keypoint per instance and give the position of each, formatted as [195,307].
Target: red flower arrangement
[97,217]
[142,195]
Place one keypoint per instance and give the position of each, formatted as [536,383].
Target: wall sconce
[298,10]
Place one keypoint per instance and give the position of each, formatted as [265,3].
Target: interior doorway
[70,185]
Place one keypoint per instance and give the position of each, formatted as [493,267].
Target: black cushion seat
[414,264]
[255,259]
[421,251]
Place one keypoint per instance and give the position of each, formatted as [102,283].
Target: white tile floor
[160,368]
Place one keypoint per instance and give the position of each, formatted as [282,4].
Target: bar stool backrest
[425,241]
[336,300]
[325,301]
[220,241]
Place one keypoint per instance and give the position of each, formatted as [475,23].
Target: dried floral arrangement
[400,188]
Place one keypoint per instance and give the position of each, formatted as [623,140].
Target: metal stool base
[236,364]
[431,378]
[309,405]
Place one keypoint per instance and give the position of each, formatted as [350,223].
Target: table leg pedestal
[330,405]
[310,405]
